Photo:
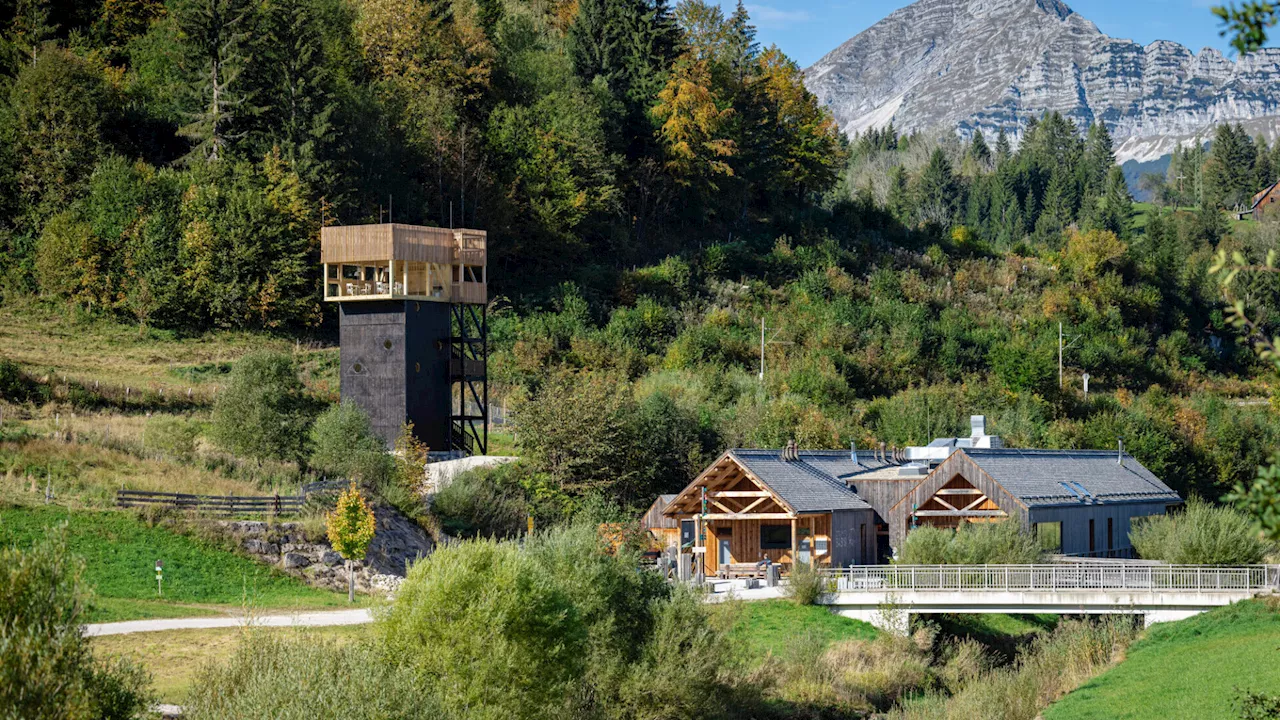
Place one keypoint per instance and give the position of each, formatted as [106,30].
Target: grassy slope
[174,658]
[51,340]
[765,627]
[120,553]
[1187,669]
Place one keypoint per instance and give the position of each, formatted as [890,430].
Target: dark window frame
[769,533]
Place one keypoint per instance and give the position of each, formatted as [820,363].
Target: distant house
[1261,202]
[665,530]
[844,507]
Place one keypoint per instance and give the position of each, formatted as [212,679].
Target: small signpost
[159,578]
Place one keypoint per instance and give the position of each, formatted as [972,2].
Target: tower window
[386,344]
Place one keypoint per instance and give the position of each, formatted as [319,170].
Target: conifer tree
[1099,157]
[293,77]
[1264,172]
[741,46]
[1115,210]
[937,194]
[899,197]
[979,151]
[215,36]
[1003,150]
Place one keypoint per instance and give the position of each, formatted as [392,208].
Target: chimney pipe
[1120,451]
[853,452]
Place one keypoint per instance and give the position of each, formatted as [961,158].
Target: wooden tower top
[391,261]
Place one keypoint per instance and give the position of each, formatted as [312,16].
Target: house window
[775,537]
[1111,528]
[862,544]
[1049,535]
[1092,546]
[686,533]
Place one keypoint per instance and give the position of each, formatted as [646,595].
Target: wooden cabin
[770,504]
[1263,201]
[391,261]
[664,529]
[841,507]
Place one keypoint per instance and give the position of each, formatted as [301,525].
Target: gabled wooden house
[1079,502]
[768,504]
[839,507]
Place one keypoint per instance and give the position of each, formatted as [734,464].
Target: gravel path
[307,619]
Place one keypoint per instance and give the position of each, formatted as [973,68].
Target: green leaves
[1247,24]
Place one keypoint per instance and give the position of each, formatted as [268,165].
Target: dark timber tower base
[414,331]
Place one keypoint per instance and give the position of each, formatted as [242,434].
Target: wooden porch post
[795,548]
[326,280]
[391,277]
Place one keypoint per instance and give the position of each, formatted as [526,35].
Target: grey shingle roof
[1036,477]
[812,483]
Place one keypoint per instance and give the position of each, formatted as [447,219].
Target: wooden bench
[729,571]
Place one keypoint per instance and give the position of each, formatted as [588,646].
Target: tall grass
[1055,664]
[300,677]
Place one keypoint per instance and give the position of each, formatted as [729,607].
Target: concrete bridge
[886,595]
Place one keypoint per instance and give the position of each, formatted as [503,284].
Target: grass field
[1186,669]
[767,627]
[174,658]
[52,341]
[120,551]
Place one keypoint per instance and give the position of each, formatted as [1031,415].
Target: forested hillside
[655,186]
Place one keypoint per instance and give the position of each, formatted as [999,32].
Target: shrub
[925,545]
[343,445]
[171,435]
[480,622]
[1200,535]
[298,676]
[806,585]
[481,503]
[262,412]
[970,544]
[15,385]
[46,667]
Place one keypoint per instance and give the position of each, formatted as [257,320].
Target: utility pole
[770,341]
[1061,348]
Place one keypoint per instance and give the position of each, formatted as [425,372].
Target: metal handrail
[1061,577]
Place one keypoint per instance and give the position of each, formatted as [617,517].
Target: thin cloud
[771,17]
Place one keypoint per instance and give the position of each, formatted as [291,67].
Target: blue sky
[808,29]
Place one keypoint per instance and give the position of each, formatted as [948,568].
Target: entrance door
[804,556]
[725,556]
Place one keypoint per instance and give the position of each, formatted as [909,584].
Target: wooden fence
[214,504]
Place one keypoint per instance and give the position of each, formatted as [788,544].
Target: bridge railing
[1194,578]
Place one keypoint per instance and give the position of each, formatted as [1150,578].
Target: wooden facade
[404,262]
[665,530]
[1263,202]
[956,491]
[745,521]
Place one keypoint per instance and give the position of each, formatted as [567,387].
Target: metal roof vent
[977,426]
[791,452]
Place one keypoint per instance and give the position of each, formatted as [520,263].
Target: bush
[489,631]
[297,676]
[926,545]
[262,413]
[1202,534]
[171,435]
[806,585]
[481,503]
[970,544]
[47,669]
[343,445]
[15,385]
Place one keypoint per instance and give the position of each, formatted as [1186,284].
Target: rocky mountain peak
[965,65]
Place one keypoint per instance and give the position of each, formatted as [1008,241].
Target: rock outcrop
[397,542]
[990,64]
